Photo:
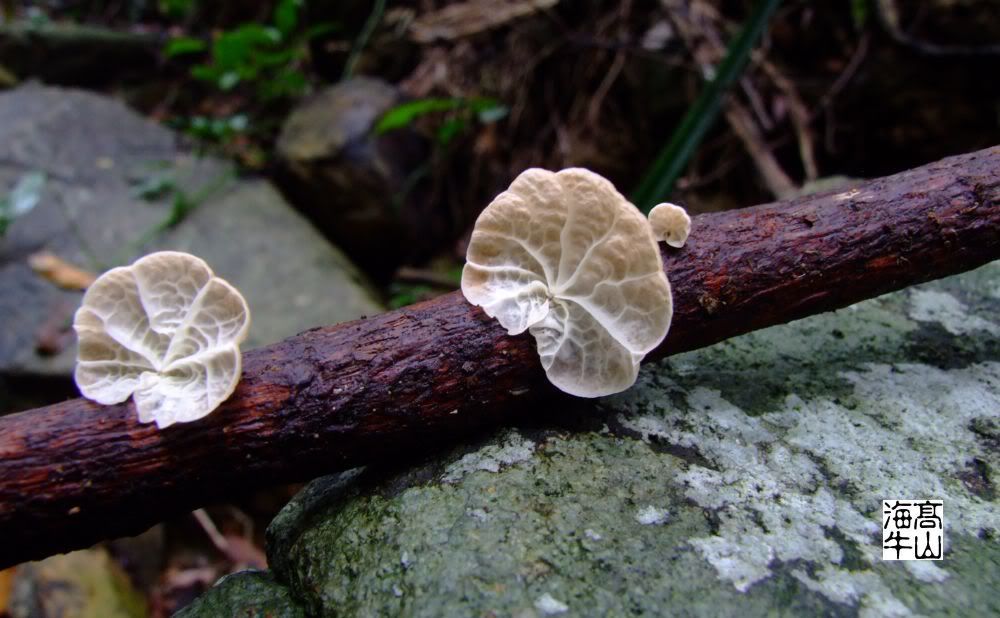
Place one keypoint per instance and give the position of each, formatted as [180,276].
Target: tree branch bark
[391,386]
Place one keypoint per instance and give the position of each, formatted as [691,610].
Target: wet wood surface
[393,386]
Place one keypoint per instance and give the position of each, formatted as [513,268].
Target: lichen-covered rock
[743,479]
[248,594]
[98,157]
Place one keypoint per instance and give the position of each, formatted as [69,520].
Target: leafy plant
[22,198]
[670,163]
[403,294]
[216,129]
[176,8]
[164,185]
[268,56]
[483,109]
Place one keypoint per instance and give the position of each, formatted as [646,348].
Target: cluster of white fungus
[164,330]
[562,255]
[566,257]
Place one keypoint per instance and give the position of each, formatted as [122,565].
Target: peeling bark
[392,386]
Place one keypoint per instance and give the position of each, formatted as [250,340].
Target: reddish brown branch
[387,387]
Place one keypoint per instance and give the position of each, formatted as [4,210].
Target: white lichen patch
[592,535]
[478,514]
[550,606]
[949,312]
[492,458]
[781,482]
[926,571]
[850,587]
[652,515]
[919,418]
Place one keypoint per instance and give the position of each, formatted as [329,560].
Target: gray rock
[96,155]
[250,594]
[358,187]
[743,479]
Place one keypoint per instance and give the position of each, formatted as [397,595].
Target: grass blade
[666,169]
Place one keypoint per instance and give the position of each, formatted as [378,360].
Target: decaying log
[390,386]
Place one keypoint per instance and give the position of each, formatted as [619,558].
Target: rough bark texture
[394,385]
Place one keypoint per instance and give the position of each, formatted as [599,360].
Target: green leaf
[234,49]
[406,294]
[176,8]
[285,84]
[404,114]
[859,13]
[481,104]
[154,187]
[670,163]
[319,30]
[26,194]
[449,130]
[493,114]
[286,16]
[205,73]
[22,198]
[238,123]
[228,80]
[277,58]
[184,45]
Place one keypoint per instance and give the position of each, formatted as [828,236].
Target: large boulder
[362,189]
[743,479]
[100,159]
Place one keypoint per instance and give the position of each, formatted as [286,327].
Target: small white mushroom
[165,330]
[671,224]
[567,258]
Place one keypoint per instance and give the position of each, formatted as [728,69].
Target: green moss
[498,541]
[249,594]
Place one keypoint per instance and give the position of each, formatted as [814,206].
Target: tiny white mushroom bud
[164,330]
[671,224]
[566,257]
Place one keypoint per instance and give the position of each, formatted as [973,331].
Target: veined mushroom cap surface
[670,223]
[565,256]
[165,330]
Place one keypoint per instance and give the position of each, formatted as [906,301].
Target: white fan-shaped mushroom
[567,258]
[670,223]
[165,329]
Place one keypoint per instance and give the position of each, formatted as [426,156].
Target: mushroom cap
[566,257]
[670,223]
[165,330]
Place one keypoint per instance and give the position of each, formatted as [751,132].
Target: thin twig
[800,116]
[362,41]
[888,16]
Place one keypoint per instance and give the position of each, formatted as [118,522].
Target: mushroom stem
[390,387]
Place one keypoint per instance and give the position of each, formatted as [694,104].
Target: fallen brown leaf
[466,18]
[60,272]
